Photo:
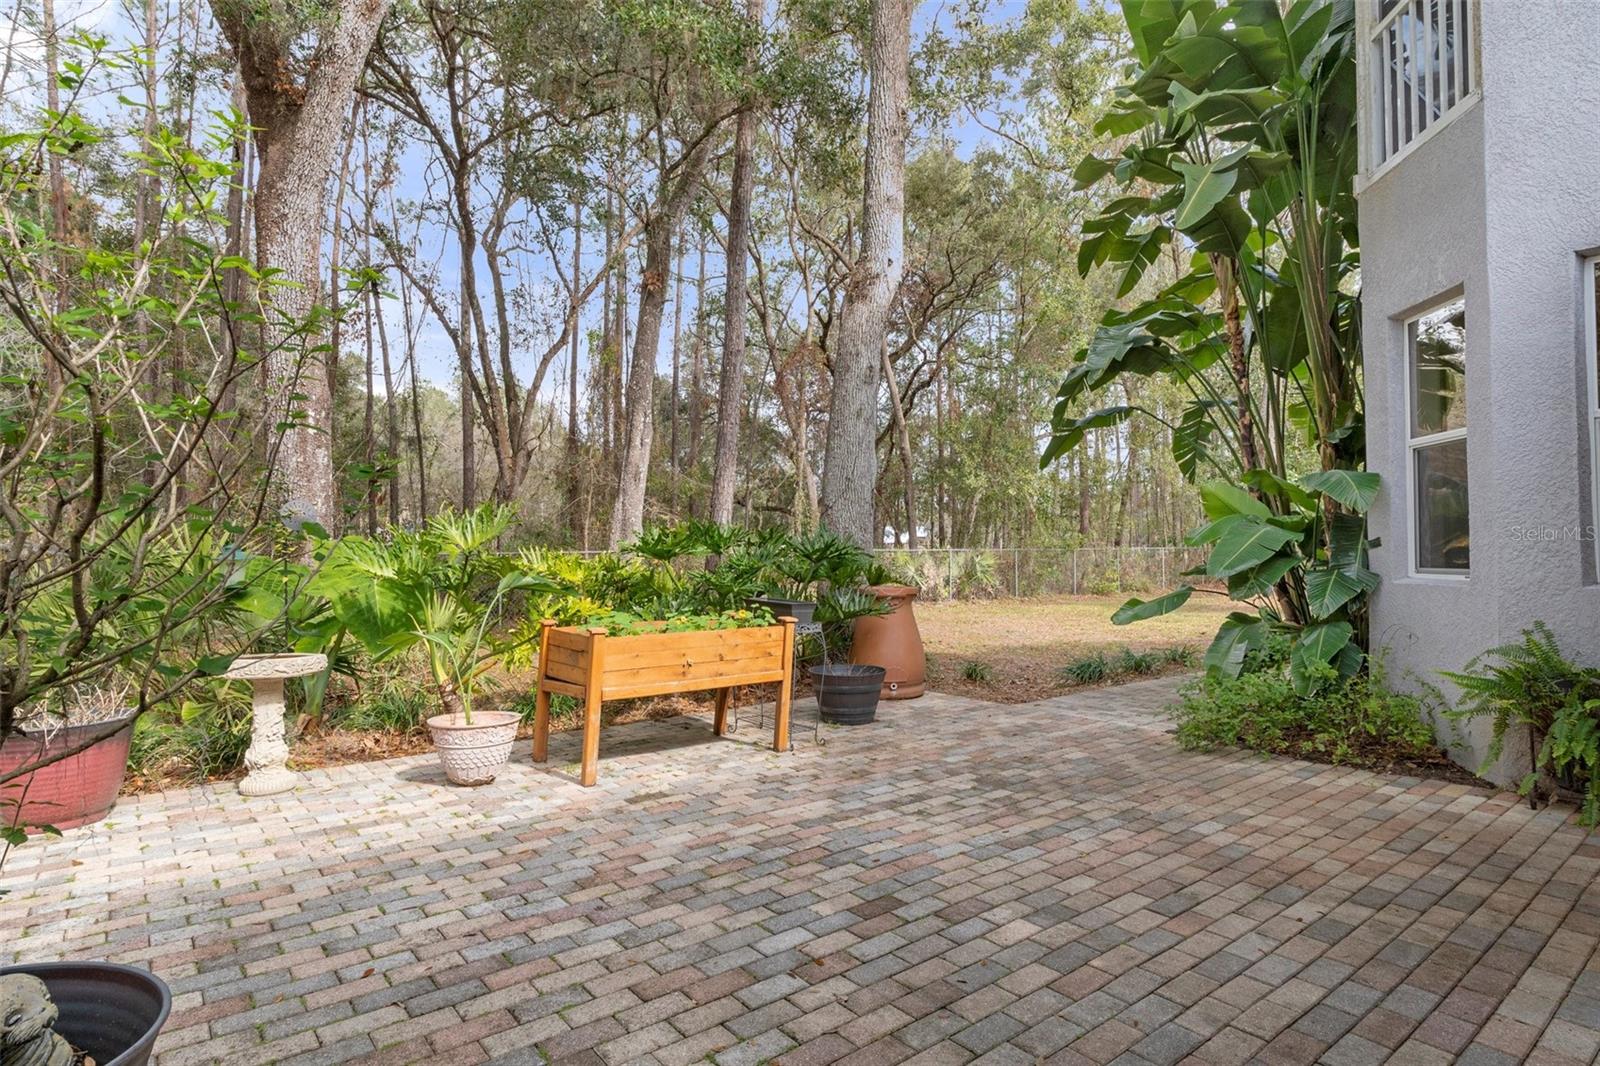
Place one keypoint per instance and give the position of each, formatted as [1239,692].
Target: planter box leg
[780,722]
[541,697]
[591,707]
[720,723]
[541,725]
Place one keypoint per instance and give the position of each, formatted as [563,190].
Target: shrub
[395,704]
[1354,720]
[197,740]
[1533,685]
[1129,661]
[1125,663]
[1107,582]
[980,576]
[1088,670]
[977,672]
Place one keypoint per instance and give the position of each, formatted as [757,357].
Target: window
[1421,67]
[1591,347]
[1436,344]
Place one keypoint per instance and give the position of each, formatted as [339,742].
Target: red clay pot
[78,790]
[893,642]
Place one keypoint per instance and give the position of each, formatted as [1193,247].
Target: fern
[1533,685]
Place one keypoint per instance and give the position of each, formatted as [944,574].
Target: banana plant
[1237,153]
[1252,550]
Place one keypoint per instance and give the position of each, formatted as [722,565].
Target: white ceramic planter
[473,754]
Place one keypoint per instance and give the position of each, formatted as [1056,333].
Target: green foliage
[839,608]
[1087,670]
[976,672]
[1136,663]
[1182,655]
[439,589]
[1349,720]
[390,702]
[197,740]
[1531,684]
[1237,138]
[1126,662]
[624,624]
[1258,552]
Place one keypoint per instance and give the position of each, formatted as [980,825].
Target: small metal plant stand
[266,760]
[802,630]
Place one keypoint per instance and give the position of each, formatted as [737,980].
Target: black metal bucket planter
[847,693]
[802,611]
[109,1011]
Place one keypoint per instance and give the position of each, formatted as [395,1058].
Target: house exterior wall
[1500,205]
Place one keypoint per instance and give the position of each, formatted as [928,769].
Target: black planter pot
[113,1012]
[802,611]
[847,693]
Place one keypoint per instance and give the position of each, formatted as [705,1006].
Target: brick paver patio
[961,882]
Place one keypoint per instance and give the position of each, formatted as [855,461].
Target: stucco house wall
[1500,205]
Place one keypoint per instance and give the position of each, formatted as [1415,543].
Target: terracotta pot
[78,790]
[892,642]
[473,754]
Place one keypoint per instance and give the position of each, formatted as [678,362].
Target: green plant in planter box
[1531,684]
[1305,573]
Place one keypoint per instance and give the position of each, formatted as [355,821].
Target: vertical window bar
[1408,75]
[1469,58]
[1453,61]
[1428,42]
[1391,120]
[1380,81]
[1420,63]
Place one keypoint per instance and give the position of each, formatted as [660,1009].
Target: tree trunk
[297,128]
[697,371]
[574,483]
[391,417]
[736,301]
[58,183]
[469,418]
[1238,364]
[672,203]
[677,359]
[902,437]
[850,468]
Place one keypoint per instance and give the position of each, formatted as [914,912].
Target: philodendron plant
[1304,572]
[439,588]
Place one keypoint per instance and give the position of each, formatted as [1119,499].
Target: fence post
[1074,571]
[1016,572]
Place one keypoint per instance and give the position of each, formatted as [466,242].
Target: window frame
[1591,375]
[1416,444]
[1377,157]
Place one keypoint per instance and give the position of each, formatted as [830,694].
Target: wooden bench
[592,667]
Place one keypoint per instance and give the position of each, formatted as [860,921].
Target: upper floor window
[1421,67]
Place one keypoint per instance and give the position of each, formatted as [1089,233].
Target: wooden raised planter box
[589,665]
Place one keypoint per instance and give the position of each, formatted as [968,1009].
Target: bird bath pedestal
[265,759]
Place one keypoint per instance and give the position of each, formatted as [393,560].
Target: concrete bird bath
[268,753]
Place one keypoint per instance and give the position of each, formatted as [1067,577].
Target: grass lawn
[1025,644]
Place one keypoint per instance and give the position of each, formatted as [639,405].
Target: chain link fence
[966,573]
